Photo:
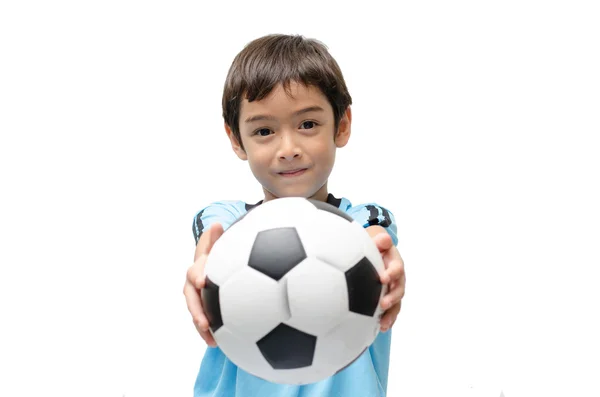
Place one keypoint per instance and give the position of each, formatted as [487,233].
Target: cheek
[326,154]
[259,159]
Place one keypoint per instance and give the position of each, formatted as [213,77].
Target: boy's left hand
[394,277]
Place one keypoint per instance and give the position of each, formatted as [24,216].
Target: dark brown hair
[281,59]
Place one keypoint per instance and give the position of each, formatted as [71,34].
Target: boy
[287,110]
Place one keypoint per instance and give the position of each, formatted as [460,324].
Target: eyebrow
[260,117]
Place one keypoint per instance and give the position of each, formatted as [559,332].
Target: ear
[235,145]
[344,129]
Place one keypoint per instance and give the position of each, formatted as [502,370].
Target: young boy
[287,110]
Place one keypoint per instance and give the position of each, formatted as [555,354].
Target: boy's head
[286,107]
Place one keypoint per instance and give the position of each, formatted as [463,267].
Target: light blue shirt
[367,376]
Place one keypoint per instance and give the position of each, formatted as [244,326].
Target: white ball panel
[229,253]
[338,242]
[284,212]
[345,342]
[241,352]
[317,295]
[252,304]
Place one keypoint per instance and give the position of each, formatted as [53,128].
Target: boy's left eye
[308,124]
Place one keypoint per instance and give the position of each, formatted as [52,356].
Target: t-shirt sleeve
[223,212]
[371,214]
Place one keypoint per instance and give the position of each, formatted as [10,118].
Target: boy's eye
[308,124]
[263,132]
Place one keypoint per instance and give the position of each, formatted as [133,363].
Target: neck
[320,195]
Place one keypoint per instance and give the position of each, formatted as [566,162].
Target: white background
[475,123]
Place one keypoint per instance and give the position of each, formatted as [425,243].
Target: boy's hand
[394,276]
[195,281]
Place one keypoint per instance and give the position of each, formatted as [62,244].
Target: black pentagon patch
[323,206]
[211,305]
[276,251]
[364,288]
[287,348]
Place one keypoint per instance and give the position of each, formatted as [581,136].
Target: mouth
[291,173]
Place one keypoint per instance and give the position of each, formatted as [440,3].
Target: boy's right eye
[262,132]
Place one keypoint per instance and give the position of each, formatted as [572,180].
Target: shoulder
[222,208]
[371,214]
[225,212]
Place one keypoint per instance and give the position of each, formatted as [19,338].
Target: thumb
[215,231]
[383,241]
[209,237]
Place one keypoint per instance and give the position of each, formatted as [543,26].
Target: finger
[209,236]
[395,269]
[200,280]
[385,278]
[390,255]
[192,273]
[194,305]
[216,231]
[199,319]
[393,297]
[208,338]
[198,277]
[394,294]
[383,241]
[389,318]
[195,273]
[394,266]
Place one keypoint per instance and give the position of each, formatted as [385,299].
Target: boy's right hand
[195,281]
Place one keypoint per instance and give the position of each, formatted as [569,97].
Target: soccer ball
[293,291]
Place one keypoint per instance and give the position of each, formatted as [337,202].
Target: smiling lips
[291,173]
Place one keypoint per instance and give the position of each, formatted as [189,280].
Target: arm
[209,224]
[381,226]
[195,281]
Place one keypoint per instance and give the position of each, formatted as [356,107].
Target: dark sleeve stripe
[197,226]
[387,220]
[374,216]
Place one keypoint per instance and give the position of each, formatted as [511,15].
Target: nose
[288,148]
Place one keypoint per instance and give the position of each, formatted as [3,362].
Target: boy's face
[282,134]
